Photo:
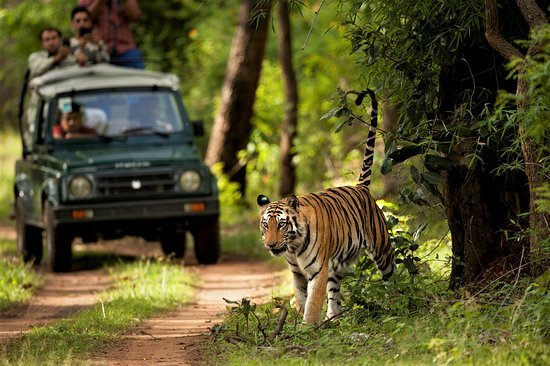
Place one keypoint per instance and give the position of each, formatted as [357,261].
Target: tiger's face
[278,224]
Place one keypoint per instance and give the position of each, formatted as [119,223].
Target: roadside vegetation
[17,280]
[140,289]
[10,151]
[413,319]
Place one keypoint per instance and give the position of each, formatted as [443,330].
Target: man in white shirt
[53,54]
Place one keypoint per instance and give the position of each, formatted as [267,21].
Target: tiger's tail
[366,169]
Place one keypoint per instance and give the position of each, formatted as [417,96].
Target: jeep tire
[173,242]
[206,235]
[58,242]
[29,238]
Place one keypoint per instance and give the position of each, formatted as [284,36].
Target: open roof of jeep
[101,76]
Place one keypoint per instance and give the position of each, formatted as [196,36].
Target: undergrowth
[411,319]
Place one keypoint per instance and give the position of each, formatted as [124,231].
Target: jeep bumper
[138,210]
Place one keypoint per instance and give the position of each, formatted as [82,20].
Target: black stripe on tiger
[366,168]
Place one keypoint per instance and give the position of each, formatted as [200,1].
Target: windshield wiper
[139,130]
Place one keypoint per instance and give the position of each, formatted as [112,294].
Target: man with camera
[86,46]
[54,53]
[112,19]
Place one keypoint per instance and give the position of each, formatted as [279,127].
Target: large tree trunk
[232,126]
[287,180]
[539,221]
[481,205]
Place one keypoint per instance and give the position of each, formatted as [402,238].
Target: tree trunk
[287,180]
[481,206]
[232,126]
[539,222]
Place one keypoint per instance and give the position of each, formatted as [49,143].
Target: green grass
[141,289]
[508,326]
[17,280]
[10,151]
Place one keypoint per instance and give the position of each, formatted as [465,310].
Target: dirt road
[176,338]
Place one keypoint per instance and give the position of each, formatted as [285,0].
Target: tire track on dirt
[59,296]
[178,338]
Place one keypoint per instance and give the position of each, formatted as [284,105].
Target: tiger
[321,234]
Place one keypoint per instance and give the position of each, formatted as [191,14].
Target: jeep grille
[136,184]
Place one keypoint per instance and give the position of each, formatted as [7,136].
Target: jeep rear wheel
[173,242]
[58,242]
[207,241]
[29,238]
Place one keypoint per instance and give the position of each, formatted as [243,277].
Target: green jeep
[137,173]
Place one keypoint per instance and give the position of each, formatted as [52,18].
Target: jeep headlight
[80,186]
[190,181]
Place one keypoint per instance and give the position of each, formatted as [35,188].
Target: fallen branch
[280,324]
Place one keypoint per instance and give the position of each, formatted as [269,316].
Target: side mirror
[198,128]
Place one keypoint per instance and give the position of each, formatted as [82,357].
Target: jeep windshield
[117,114]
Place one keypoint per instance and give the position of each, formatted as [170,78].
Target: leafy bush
[17,282]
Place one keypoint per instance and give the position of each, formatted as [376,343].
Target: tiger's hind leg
[333,290]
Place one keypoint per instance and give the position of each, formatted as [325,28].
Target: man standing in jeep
[87,47]
[53,54]
[112,19]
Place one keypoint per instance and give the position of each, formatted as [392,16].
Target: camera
[66,42]
[84,31]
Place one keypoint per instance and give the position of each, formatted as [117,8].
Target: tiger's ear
[293,202]
[262,200]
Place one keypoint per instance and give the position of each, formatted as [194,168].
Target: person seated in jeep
[146,114]
[70,123]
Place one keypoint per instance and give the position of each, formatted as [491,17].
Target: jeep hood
[125,158]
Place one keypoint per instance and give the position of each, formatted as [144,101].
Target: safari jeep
[137,173]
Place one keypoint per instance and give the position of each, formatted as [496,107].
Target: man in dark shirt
[112,19]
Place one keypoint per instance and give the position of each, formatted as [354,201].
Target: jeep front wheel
[58,242]
[29,238]
[173,242]
[207,241]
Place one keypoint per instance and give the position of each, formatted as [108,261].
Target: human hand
[62,53]
[81,58]
[94,37]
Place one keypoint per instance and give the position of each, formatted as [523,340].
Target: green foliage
[422,269]
[141,289]
[10,152]
[17,280]
[20,25]
[505,324]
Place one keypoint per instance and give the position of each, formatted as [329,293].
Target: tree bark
[539,221]
[287,180]
[232,125]
[481,206]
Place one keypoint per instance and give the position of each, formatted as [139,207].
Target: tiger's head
[279,224]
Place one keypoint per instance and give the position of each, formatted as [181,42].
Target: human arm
[93,6]
[83,132]
[57,132]
[131,10]
[40,62]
